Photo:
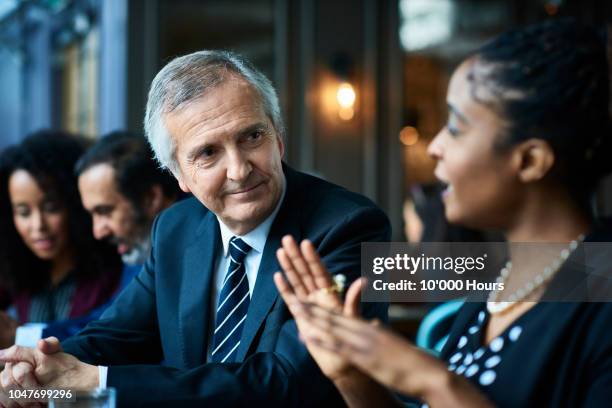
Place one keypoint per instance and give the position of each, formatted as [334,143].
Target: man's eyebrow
[456,112]
[252,128]
[196,151]
[261,126]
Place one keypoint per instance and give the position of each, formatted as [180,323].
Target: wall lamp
[342,66]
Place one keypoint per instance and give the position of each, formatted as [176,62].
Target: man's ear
[281,146]
[179,178]
[183,186]
[533,160]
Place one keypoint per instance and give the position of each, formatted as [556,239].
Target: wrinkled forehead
[229,108]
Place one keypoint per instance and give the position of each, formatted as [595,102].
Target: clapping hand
[307,280]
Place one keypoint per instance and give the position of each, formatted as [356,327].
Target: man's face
[229,154]
[114,217]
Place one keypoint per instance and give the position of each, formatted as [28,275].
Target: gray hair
[187,78]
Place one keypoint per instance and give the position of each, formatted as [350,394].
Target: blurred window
[76,68]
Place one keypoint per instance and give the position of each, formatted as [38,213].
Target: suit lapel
[265,292]
[194,301]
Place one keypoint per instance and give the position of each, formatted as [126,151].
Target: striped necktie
[233,305]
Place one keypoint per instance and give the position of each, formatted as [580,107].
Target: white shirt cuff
[102,373]
[29,334]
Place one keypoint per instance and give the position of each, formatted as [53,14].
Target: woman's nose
[435,148]
[39,223]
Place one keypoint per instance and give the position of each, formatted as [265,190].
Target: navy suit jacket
[164,313]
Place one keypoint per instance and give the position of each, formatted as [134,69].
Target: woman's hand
[388,358]
[348,348]
[307,280]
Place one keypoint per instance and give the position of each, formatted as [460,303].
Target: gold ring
[331,289]
[338,285]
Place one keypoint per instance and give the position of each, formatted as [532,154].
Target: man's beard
[142,248]
[138,254]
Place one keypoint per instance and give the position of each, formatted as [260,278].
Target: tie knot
[238,249]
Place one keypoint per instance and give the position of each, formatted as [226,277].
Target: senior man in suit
[205,302]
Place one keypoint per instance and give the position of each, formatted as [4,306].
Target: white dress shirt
[256,239]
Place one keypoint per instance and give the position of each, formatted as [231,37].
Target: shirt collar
[257,237]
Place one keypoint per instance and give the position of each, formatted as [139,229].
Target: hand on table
[19,376]
[46,365]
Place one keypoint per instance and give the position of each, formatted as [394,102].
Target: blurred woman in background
[527,141]
[424,221]
[51,267]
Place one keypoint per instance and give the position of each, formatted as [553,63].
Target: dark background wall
[307,47]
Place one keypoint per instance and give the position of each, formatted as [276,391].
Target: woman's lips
[43,244]
[449,189]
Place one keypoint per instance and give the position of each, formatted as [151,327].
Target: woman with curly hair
[51,267]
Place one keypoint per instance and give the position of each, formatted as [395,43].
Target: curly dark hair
[50,157]
[551,81]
